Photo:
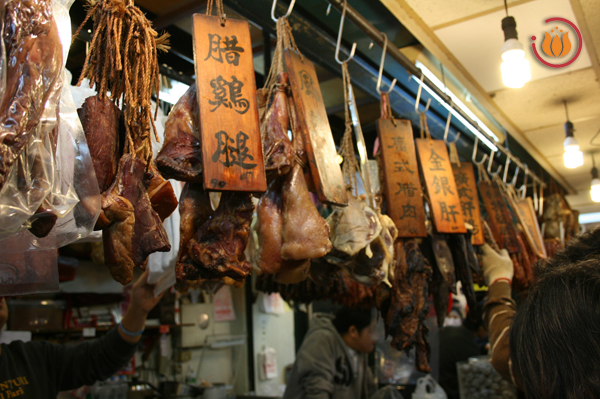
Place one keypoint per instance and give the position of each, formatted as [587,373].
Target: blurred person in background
[332,362]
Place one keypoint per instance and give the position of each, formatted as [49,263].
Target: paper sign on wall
[223,304]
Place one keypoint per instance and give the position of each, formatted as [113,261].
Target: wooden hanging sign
[441,188]
[403,191]
[464,176]
[499,216]
[231,146]
[526,214]
[314,125]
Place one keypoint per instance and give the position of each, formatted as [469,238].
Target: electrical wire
[506,7]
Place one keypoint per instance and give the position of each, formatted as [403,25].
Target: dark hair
[347,317]
[555,335]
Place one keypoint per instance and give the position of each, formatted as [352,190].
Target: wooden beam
[172,17]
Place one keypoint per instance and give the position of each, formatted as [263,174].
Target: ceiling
[468,33]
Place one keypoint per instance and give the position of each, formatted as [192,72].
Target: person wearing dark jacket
[40,369]
[332,361]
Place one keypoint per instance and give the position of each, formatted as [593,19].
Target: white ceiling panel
[436,13]
[591,10]
[540,103]
[477,42]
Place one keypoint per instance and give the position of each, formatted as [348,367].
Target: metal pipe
[378,37]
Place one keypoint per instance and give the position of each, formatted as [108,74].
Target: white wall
[277,332]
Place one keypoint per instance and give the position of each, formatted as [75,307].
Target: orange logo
[559,45]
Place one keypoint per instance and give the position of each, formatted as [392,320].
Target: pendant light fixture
[515,68]
[595,187]
[573,157]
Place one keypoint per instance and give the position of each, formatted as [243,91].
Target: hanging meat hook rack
[378,37]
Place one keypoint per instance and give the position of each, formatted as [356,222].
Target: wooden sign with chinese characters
[464,177]
[526,214]
[312,117]
[441,188]
[231,146]
[403,191]
[499,216]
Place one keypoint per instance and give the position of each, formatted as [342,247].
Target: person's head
[3,312]
[555,335]
[357,328]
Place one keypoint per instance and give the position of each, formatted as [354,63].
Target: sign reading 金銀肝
[441,188]
[231,146]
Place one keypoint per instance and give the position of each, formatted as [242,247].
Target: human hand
[3,312]
[496,266]
[142,295]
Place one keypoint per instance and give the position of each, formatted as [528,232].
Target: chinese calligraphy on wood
[312,117]
[441,188]
[403,190]
[464,176]
[499,216]
[231,146]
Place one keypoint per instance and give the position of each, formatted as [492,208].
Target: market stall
[259,163]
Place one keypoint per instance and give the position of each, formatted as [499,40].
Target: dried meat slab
[136,230]
[100,121]
[180,157]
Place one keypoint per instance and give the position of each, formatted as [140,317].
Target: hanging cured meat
[219,244]
[269,213]
[305,233]
[408,301]
[458,246]
[277,147]
[33,63]
[180,157]
[194,211]
[100,121]
[354,226]
[161,194]
[136,230]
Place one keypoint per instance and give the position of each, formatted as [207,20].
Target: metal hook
[384,51]
[448,129]
[339,39]
[328,10]
[287,14]
[474,155]
[489,167]
[523,189]
[506,164]
[418,99]
[514,179]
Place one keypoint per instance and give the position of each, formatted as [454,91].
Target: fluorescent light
[586,218]
[460,105]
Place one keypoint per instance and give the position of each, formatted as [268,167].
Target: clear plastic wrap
[70,200]
[30,82]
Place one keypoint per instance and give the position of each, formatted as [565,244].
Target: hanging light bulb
[572,157]
[515,68]
[595,187]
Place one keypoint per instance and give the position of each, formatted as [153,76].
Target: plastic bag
[31,270]
[30,111]
[73,197]
[428,388]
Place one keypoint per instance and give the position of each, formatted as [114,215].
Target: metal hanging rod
[379,38]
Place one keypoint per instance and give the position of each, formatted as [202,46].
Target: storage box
[34,315]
